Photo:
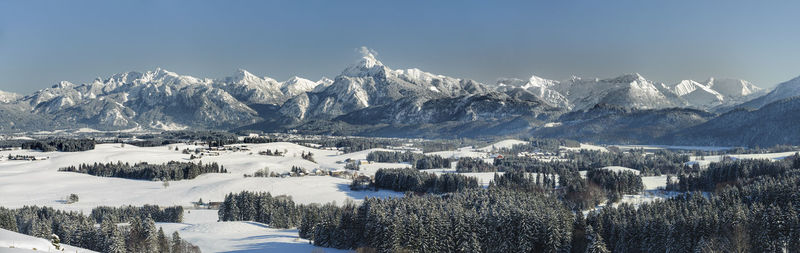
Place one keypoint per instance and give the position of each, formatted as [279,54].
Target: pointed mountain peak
[627,78]
[63,84]
[541,82]
[533,81]
[296,82]
[325,80]
[243,76]
[366,66]
[297,79]
[160,72]
[733,87]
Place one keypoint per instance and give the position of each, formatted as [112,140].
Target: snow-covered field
[703,161]
[702,148]
[39,183]
[16,242]
[501,144]
[200,227]
[584,146]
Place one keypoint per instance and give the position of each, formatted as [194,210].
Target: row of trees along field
[171,170]
[51,144]
[732,172]
[79,230]
[655,164]
[417,160]
[416,181]
[127,213]
[468,221]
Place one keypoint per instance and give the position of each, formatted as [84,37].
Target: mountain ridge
[370,98]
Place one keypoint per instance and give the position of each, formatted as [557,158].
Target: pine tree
[177,243]
[596,244]
[150,242]
[163,242]
[112,239]
[136,235]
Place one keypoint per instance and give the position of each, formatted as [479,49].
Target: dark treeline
[413,180]
[469,221]
[79,230]
[760,217]
[419,161]
[214,138]
[750,206]
[660,162]
[260,139]
[543,145]
[127,213]
[470,164]
[354,144]
[156,142]
[52,144]
[616,183]
[574,191]
[522,181]
[732,172]
[278,211]
[172,170]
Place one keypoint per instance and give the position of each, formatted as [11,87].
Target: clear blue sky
[42,42]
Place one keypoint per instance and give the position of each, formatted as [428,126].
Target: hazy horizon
[665,42]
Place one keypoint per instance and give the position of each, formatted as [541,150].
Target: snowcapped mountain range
[371,83]
[367,93]
[634,91]
[784,90]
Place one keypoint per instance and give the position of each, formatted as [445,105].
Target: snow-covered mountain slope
[784,90]
[634,91]
[297,85]
[698,95]
[252,89]
[8,97]
[630,90]
[615,124]
[733,87]
[540,87]
[716,94]
[770,125]
[486,107]
[370,83]
[155,99]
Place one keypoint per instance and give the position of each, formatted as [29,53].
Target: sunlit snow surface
[200,227]
[16,242]
[39,183]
